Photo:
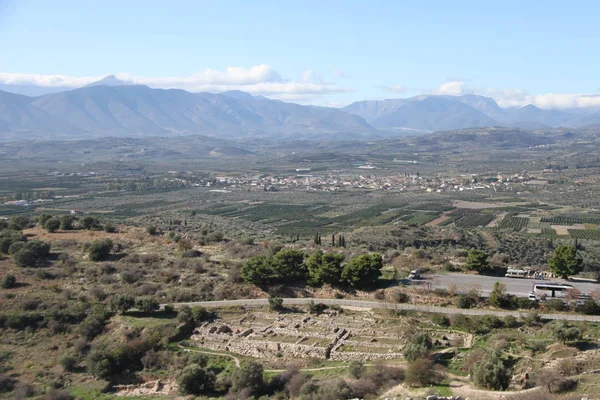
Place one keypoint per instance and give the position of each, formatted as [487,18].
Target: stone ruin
[261,335]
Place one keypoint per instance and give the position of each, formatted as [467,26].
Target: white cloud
[259,79]
[452,88]
[548,100]
[507,97]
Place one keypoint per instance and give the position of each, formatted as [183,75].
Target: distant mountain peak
[238,94]
[110,80]
[530,107]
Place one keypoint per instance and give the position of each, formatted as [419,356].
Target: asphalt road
[379,304]
[515,286]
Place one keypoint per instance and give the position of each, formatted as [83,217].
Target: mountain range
[112,107]
[101,110]
[439,113]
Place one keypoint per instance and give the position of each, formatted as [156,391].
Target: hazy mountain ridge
[120,109]
[442,112]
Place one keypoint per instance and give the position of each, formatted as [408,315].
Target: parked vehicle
[532,296]
[415,274]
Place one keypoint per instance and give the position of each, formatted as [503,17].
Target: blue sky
[320,52]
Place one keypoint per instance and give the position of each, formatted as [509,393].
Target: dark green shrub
[554,305]
[68,362]
[440,319]
[109,228]
[147,304]
[100,249]
[169,309]
[52,225]
[316,308]
[24,258]
[248,378]
[66,222]
[275,303]
[8,281]
[90,223]
[195,380]
[589,307]
[122,303]
[465,301]
[491,372]
[356,369]
[7,384]
[398,296]
[511,322]
[523,303]
[419,346]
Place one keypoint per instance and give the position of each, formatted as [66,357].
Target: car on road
[532,296]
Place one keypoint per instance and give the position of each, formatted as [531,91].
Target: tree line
[289,266]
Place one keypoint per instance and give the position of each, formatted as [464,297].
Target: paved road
[380,304]
[516,286]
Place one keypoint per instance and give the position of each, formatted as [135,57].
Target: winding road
[385,305]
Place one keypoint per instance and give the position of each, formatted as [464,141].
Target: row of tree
[292,266]
[339,241]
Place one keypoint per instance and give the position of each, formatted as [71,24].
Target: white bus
[516,273]
[551,289]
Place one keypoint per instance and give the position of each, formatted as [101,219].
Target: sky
[325,52]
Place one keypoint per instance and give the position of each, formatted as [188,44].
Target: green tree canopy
[363,271]
[565,261]
[194,379]
[100,249]
[90,223]
[289,265]
[477,260]
[8,281]
[418,347]
[564,332]
[325,268]
[491,373]
[52,224]
[286,266]
[275,303]
[499,297]
[259,270]
[147,304]
[248,377]
[122,302]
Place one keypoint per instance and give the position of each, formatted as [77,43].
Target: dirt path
[494,223]
[489,239]
[439,220]
[460,386]
[467,390]
[234,358]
